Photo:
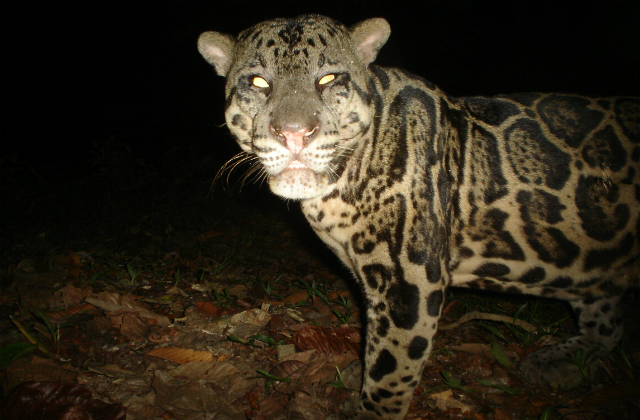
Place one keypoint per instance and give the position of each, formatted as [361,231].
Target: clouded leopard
[416,191]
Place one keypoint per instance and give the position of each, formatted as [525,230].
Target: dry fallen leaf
[308,406]
[208,235]
[37,369]
[333,295]
[336,340]
[67,261]
[256,317]
[214,371]
[116,302]
[181,355]
[445,400]
[162,335]
[129,324]
[58,316]
[57,401]
[295,298]
[209,309]
[193,399]
[611,395]
[287,369]
[500,415]
[475,348]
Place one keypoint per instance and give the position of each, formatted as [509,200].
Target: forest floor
[130,287]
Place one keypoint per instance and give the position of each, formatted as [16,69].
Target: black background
[75,72]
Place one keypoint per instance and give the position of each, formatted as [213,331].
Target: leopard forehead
[289,45]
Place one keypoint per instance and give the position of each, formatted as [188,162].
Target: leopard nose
[294,137]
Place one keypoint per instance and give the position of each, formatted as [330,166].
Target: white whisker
[233,163]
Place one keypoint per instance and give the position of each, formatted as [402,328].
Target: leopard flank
[416,191]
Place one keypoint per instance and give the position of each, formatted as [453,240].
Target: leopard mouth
[297,171]
[297,181]
[296,164]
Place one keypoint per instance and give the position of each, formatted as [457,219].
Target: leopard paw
[562,373]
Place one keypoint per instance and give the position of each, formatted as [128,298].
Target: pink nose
[295,137]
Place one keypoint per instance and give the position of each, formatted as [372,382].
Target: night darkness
[74,72]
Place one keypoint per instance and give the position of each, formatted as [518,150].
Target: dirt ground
[129,290]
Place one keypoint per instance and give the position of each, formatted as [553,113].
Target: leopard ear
[369,36]
[218,50]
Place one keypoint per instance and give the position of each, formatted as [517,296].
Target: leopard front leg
[402,318]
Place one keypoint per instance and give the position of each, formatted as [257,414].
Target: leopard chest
[369,229]
[335,222]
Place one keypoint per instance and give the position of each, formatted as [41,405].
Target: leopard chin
[298,183]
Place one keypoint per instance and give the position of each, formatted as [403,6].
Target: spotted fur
[416,191]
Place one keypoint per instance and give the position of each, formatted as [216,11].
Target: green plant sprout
[581,360]
[337,383]
[451,382]
[252,340]
[229,299]
[270,378]
[177,276]
[35,343]
[133,273]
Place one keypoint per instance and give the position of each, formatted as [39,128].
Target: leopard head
[297,95]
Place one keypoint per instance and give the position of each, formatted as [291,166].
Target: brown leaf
[255,317]
[180,355]
[449,307]
[208,309]
[130,325]
[308,407]
[65,261]
[254,397]
[26,265]
[58,316]
[334,294]
[213,371]
[311,367]
[162,335]
[192,399]
[273,406]
[116,302]
[287,368]
[613,395]
[246,303]
[69,296]
[323,367]
[208,235]
[276,323]
[336,340]
[475,348]
[295,298]
[500,415]
[75,272]
[56,401]
[37,369]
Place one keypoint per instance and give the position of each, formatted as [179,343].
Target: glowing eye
[260,82]
[326,79]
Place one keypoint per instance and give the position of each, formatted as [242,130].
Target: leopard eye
[326,79]
[260,82]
